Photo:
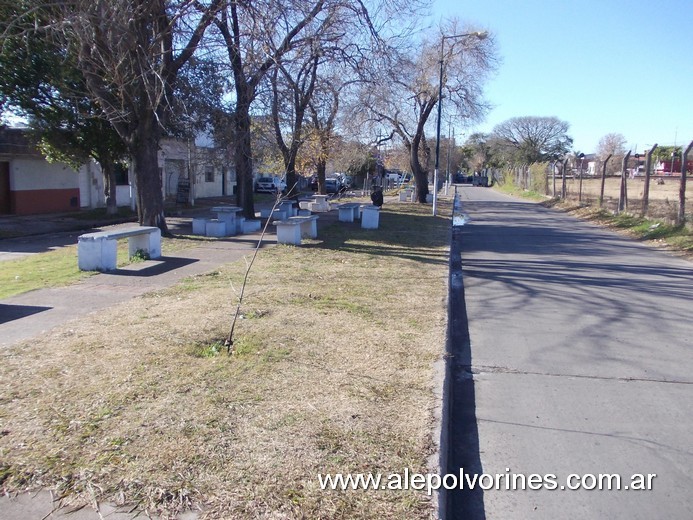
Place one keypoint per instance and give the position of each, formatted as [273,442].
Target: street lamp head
[482,35]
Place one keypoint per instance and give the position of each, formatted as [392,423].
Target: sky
[603,66]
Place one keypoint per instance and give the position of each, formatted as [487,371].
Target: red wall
[28,202]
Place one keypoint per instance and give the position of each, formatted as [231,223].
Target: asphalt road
[576,359]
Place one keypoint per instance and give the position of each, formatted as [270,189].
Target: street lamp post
[480,35]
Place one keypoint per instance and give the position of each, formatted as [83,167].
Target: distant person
[377,196]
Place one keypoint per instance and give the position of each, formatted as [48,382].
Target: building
[29,184]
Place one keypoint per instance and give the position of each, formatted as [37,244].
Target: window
[209,175]
[121,174]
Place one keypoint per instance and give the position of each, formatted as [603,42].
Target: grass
[58,268]
[656,231]
[331,372]
[511,189]
[50,269]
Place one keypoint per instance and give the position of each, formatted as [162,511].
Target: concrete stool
[215,228]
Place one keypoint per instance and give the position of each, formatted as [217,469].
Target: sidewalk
[36,312]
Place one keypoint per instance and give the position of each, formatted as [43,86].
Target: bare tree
[612,145]
[533,139]
[260,35]
[324,108]
[256,37]
[290,104]
[406,101]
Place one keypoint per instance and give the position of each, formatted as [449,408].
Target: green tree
[42,83]
[130,53]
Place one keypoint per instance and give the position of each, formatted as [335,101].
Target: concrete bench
[228,214]
[289,206]
[293,229]
[99,251]
[251,226]
[316,204]
[349,212]
[320,204]
[370,217]
[278,214]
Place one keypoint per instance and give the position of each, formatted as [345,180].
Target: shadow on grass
[405,231]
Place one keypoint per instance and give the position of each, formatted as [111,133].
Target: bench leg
[346,215]
[198,226]
[230,220]
[370,219]
[309,229]
[149,243]
[290,234]
[97,255]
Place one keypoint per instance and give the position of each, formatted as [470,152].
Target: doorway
[5,200]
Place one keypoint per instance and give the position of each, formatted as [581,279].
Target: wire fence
[662,193]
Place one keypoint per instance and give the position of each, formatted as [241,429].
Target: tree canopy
[531,139]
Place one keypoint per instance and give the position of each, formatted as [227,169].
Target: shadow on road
[462,433]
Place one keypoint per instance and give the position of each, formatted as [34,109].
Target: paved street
[581,352]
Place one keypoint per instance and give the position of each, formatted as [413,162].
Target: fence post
[563,188]
[646,190]
[681,217]
[623,195]
[601,191]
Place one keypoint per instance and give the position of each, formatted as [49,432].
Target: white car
[270,184]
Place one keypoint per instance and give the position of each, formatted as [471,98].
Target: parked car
[333,185]
[462,178]
[270,185]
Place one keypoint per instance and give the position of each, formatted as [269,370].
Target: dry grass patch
[332,372]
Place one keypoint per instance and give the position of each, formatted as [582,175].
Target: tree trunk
[244,160]
[321,168]
[109,187]
[420,174]
[290,167]
[150,200]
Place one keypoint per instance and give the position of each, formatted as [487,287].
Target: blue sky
[593,63]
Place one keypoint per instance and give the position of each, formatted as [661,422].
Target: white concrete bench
[278,214]
[406,195]
[289,206]
[349,212]
[251,226]
[293,229]
[320,204]
[317,204]
[228,214]
[99,251]
[370,217]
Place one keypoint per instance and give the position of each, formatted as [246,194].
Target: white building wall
[39,174]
